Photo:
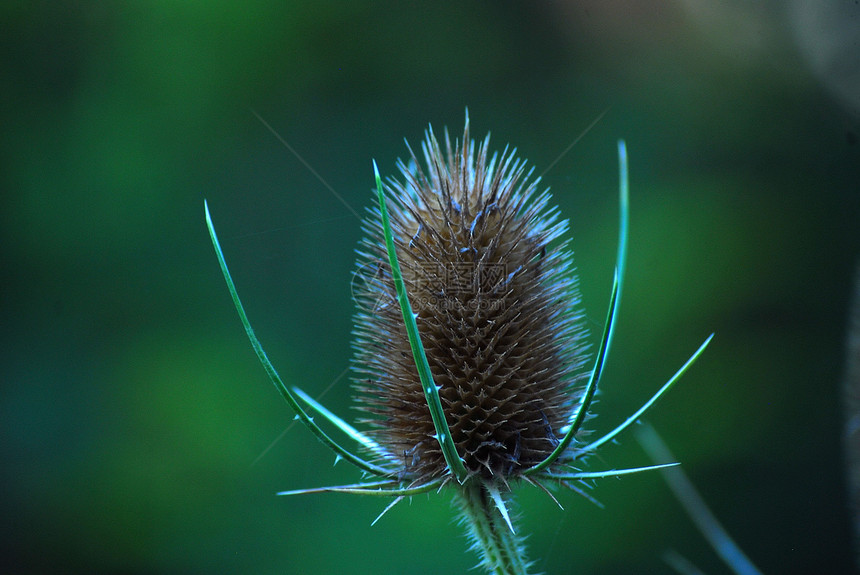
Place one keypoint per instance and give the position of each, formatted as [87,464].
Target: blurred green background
[137,425]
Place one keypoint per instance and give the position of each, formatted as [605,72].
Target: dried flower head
[469,342]
[496,305]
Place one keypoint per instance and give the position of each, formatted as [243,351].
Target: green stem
[501,550]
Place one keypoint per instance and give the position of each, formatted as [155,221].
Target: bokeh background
[138,429]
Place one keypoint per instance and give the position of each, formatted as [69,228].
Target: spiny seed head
[496,302]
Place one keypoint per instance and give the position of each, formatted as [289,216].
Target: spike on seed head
[496,304]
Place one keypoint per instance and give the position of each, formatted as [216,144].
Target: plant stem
[851,399]
[501,550]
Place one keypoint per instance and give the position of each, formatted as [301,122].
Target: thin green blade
[378,488]
[352,432]
[608,326]
[431,391]
[272,372]
[609,436]
[608,473]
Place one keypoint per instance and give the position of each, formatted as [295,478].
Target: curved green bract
[273,374]
[431,391]
[595,444]
[379,488]
[590,388]
[624,210]
[349,430]
[580,475]
[608,326]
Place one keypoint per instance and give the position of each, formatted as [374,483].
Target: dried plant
[470,360]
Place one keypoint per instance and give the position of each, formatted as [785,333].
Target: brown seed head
[497,309]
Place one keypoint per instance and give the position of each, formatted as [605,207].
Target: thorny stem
[501,550]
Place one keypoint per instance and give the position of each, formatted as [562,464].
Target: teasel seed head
[479,375]
[489,275]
